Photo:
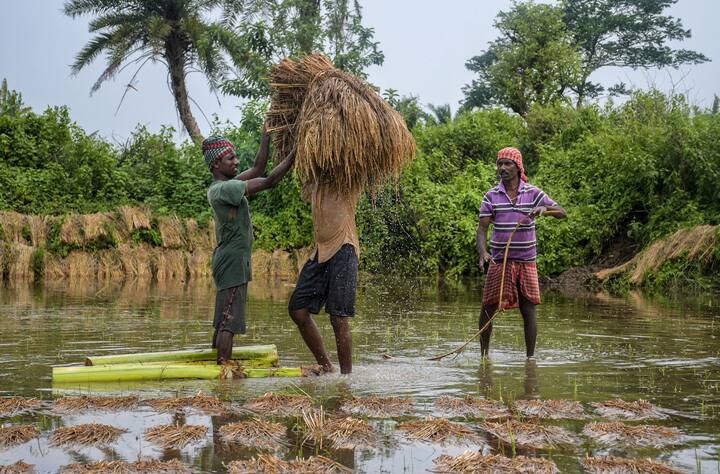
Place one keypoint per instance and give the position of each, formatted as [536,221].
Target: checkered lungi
[523,274]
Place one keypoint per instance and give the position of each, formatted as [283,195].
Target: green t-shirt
[231,260]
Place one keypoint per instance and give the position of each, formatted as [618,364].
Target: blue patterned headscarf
[215,147]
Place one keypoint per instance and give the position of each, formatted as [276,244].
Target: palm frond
[115,19]
[75,8]
[91,50]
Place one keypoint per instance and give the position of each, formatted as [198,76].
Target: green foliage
[38,263]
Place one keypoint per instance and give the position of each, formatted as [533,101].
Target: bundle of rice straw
[200,402]
[84,403]
[342,432]
[269,464]
[618,433]
[473,407]
[16,405]
[19,434]
[254,433]
[620,409]
[17,468]
[377,407]
[175,436]
[552,409]
[439,430]
[148,466]
[529,435]
[346,134]
[475,462]
[90,434]
[280,405]
[613,465]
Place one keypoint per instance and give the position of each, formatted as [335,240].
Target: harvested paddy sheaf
[613,465]
[254,433]
[620,409]
[12,225]
[200,402]
[473,407]
[175,436]
[16,405]
[38,226]
[199,262]
[618,433]
[19,467]
[135,260]
[171,232]
[19,434]
[169,265]
[269,464]
[529,435]
[342,432]
[134,219]
[378,407]
[551,409]
[17,261]
[74,404]
[281,405]
[439,430]
[473,462]
[91,434]
[149,466]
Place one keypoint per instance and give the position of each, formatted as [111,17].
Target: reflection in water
[592,348]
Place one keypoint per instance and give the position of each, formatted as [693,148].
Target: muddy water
[590,348]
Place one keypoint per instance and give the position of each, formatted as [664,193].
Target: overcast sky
[426,44]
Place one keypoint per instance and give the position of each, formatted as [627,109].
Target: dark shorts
[230,309]
[331,284]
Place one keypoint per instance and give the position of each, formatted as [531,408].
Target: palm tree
[174,32]
[441,114]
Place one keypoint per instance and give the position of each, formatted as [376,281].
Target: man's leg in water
[528,311]
[343,341]
[311,335]
[486,313]
[224,344]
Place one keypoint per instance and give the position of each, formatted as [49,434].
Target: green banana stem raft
[248,362]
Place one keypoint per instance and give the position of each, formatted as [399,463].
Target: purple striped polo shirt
[505,215]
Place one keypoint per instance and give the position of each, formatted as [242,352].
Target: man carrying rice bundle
[512,207]
[227,196]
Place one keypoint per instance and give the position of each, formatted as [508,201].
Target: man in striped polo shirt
[512,206]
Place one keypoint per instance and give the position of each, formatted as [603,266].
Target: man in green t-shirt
[227,196]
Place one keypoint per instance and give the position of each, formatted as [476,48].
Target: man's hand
[537,212]
[483,260]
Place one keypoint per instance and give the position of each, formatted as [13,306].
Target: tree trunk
[309,13]
[175,55]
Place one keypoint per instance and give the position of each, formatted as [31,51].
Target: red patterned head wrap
[513,154]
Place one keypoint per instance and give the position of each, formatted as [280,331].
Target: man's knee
[299,316]
[340,323]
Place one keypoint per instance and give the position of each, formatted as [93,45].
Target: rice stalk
[254,433]
[134,218]
[19,467]
[551,409]
[281,405]
[91,434]
[529,435]
[15,405]
[377,407]
[473,462]
[18,258]
[175,436]
[618,433]
[80,265]
[169,265]
[199,263]
[620,409]
[146,466]
[439,430]
[136,261]
[269,464]
[12,224]
[75,404]
[614,465]
[343,432]
[38,226]
[473,407]
[171,232]
[19,434]
[207,404]
[71,230]
[94,227]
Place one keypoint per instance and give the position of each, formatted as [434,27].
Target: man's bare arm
[259,184]
[481,241]
[555,211]
[261,159]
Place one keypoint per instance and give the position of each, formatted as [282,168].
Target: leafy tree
[177,33]
[624,33]
[441,114]
[408,106]
[275,29]
[533,60]
[716,105]
[11,102]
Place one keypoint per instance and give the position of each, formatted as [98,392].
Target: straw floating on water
[632,435]
[377,407]
[346,134]
[529,435]
[148,466]
[90,434]
[14,435]
[620,409]
[551,409]
[254,433]
[15,405]
[343,432]
[201,402]
[439,430]
[613,465]
[473,407]
[269,464]
[19,467]
[281,405]
[73,404]
[475,462]
[175,436]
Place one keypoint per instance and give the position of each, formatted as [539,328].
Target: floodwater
[590,348]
